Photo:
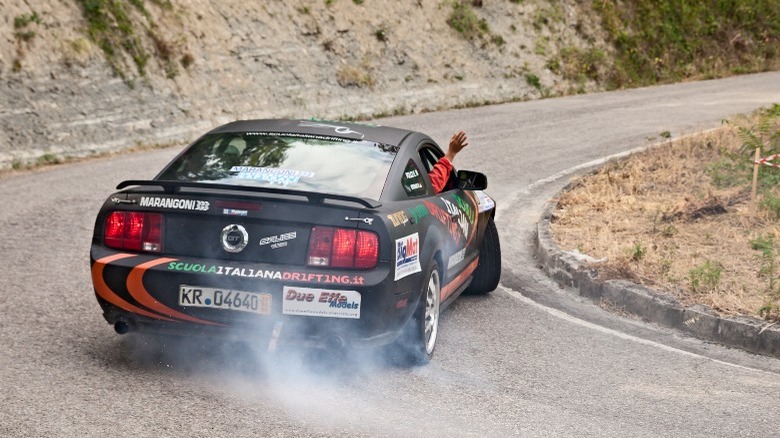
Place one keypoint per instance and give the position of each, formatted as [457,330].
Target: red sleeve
[440,174]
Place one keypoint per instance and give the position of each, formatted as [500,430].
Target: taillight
[366,250]
[342,248]
[135,231]
[320,246]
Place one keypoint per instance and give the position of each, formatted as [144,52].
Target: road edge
[746,333]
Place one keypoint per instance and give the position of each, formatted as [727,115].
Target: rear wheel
[488,271]
[417,343]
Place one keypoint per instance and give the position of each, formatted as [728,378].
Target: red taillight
[342,248]
[320,246]
[115,223]
[366,250]
[135,231]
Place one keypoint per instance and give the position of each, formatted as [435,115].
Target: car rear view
[267,233]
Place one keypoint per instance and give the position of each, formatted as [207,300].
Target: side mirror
[468,180]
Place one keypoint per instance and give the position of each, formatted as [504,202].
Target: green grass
[124,29]
[23,36]
[22,21]
[582,64]
[705,277]
[734,169]
[637,252]
[533,81]
[661,41]
[110,26]
[466,22]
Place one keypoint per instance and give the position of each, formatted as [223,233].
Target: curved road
[530,359]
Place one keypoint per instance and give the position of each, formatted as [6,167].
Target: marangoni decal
[174,203]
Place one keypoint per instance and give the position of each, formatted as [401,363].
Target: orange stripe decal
[109,295]
[136,287]
[458,281]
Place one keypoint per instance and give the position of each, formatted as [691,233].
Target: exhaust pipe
[122,327]
[336,343]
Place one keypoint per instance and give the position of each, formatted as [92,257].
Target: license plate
[198,296]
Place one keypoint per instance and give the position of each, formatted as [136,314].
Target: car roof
[317,127]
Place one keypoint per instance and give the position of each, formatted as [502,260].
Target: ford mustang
[300,232]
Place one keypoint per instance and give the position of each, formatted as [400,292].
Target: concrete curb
[749,334]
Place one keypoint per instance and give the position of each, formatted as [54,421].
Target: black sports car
[303,232]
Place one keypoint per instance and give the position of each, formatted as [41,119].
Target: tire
[417,342]
[488,272]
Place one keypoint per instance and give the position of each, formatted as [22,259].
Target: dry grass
[659,220]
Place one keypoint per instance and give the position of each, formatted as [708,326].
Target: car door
[457,209]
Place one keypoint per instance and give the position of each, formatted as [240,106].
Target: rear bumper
[141,292]
[267,334]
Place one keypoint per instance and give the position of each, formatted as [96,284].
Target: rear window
[293,161]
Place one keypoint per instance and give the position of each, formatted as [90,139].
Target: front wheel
[417,343]
[488,272]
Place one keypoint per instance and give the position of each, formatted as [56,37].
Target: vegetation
[124,29]
[659,41]
[356,76]
[705,277]
[687,207]
[21,24]
[23,35]
[760,131]
[637,252]
[580,65]
[464,20]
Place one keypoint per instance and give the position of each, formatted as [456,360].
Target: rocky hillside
[204,62]
[79,77]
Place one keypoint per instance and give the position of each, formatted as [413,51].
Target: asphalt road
[530,359]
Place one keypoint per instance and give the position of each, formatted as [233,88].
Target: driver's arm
[440,174]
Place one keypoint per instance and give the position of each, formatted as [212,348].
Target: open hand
[457,143]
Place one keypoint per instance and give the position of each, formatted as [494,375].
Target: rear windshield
[292,161]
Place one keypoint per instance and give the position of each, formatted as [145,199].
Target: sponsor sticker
[398,218]
[456,258]
[407,256]
[484,201]
[336,128]
[278,241]
[412,180]
[419,211]
[174,203]
[234,212]
[272,175]
[265,274]
[326,303]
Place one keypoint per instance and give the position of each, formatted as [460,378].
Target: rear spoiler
[174,186]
